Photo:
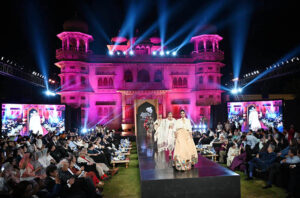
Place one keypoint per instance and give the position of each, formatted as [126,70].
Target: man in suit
[73,186]
[52,182]
[262,161]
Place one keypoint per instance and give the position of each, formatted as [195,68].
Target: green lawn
[126,184]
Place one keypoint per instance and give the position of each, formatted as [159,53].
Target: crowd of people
[64,165]
[269,154]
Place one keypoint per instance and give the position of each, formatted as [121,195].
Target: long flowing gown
[254,121]
[185,152]
[160,135]
[170,128]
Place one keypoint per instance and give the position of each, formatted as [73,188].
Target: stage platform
[160,179]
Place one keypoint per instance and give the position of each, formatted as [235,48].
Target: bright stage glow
[236,90]
[167,52]
[50,93]
[162,53]
[118,53]
[131,53]
[111,53]
[174,53]
[84,130]
[154,53]
[124,53]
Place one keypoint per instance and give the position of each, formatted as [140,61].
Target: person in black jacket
[73,186]
[52,182]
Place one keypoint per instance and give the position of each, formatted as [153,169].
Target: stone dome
[75,25]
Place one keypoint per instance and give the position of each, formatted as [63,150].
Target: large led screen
[255,115]
[39,119]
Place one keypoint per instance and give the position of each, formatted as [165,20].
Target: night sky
[273,27]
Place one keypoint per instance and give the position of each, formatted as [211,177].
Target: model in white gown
[35,124]
[170,129]
[161,135]
[253,120]
[185,152]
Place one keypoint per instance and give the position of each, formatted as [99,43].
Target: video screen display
[255,115]
[38,119]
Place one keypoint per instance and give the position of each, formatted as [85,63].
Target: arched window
[83,80]
[185,82]
[81,45]
[180,82]
[105,83]
[100,113]
[63,80]
[201,46]
[73,44]
[174,82]
[100,82]
[111,112]
[208,45]
[143,76]
[72,80]
[210,79]
[200,79]
[105,112]
[158,76]
[128,76]
[110,82]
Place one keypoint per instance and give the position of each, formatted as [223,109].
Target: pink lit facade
[106,87]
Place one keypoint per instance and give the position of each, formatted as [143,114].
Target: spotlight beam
[92,18]
[207,15]
[239,33]
[156,23]
[38,41]
[289,55]
[163,17]
[134,13]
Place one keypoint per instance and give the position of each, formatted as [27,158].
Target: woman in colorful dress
[185,152]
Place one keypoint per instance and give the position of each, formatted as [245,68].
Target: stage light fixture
[236,90]
[124,53]
[131,53]
[167,52]
[111,53]
[154,53]
[50,93]
[161,53]
[84,130]
[174,53]
[118,53]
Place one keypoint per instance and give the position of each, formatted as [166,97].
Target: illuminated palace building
[106,87]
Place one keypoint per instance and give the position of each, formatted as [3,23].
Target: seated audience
[262,161]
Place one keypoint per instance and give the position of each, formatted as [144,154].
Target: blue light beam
[238,39]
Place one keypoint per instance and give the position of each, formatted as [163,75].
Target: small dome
[75,25]
[155,40]
[119,39]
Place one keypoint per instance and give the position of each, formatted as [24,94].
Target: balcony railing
[144,85]
[72,54]
[208,55]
